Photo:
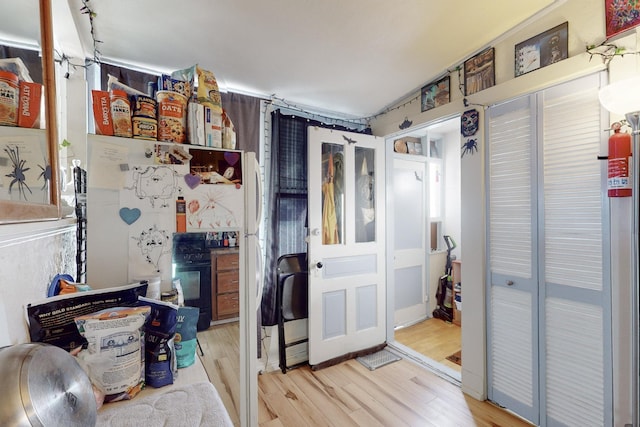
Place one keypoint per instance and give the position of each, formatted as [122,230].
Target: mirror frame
[14,212]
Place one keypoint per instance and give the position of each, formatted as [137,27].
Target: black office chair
[292,301]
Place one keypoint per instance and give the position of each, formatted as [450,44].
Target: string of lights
[275,100]
[85,9]
[607,51]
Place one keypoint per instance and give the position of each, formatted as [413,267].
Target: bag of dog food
[114,357]
[160,329]
[186,340]
[51,320]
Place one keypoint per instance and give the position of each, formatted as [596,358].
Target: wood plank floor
[221,347]
[399,394]
[433,338]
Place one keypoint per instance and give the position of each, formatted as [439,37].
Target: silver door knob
[510,283]
[315,232]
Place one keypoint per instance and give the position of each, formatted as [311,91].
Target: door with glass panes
[346,177]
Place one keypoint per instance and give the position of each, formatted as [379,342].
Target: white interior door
[346,243]
[410,240]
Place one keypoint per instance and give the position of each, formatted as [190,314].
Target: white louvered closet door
[575,299]
[512,307]
[560,373]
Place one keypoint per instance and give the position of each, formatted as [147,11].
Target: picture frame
[542,50]
[435,94]
[620,16]
[480,72]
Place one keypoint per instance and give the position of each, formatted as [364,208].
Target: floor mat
[456,357]
[377,360]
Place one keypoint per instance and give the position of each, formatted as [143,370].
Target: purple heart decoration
[129,215]
[192,180]
[231,157]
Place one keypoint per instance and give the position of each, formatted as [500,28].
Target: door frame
[443,371]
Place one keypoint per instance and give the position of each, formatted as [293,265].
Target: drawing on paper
[213,209]
[156,184]
[153,243]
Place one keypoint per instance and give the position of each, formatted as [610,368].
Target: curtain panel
[286,199]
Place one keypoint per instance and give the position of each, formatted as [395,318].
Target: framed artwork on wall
[621,15]
[435,94]
[479,72]
[542,50]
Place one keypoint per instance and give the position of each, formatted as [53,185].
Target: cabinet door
[228,305]
[227,281]
[227,262]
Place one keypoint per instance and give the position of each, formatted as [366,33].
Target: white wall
[586,27]
[30,256]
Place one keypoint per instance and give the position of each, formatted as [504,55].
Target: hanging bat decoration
[405,124]
[349,140]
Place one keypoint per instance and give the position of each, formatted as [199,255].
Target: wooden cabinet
[225,280]
[457,291]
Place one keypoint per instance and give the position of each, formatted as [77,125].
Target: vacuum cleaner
[444,294]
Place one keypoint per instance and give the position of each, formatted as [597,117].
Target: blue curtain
[286,199]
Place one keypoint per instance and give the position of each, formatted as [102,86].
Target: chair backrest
[295,296]
[292,263]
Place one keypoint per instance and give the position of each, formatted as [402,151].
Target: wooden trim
[347,356]
[49,80]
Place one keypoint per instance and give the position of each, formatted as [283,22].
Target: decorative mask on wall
[469,122]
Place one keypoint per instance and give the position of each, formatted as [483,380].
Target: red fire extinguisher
[619,181]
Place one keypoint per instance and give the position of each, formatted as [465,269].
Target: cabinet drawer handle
[510,283]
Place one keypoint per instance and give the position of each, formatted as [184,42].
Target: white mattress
[190,401]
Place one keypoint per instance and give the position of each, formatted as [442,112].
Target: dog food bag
[51,320]
[160,329]
[186,341]
[115,355]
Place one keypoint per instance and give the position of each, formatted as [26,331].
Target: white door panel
[346,243]
[410,241]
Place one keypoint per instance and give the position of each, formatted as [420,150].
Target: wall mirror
[28,153]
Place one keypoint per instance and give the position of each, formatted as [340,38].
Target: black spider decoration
[18,173]
[470,146]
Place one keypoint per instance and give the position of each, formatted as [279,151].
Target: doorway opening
[423,227]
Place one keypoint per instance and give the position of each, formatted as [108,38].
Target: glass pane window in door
[365,220]
[332,194]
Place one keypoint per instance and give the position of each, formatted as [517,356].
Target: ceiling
[353,58]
